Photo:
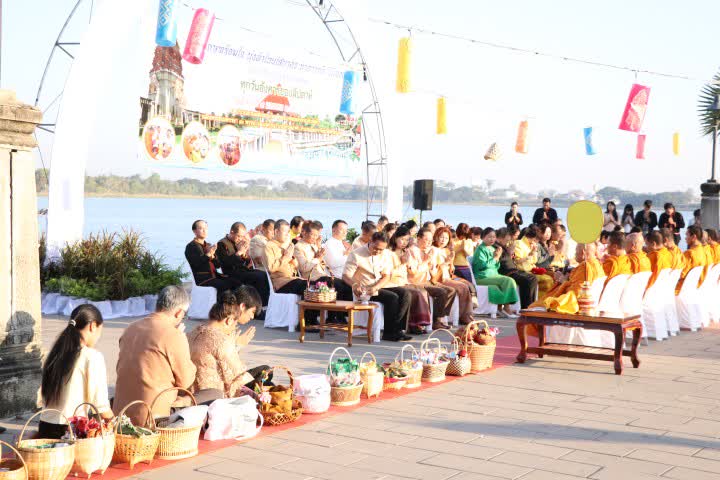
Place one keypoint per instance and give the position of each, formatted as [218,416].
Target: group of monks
[630,254]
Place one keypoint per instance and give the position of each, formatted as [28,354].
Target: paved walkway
[554,419]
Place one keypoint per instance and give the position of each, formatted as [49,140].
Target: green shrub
[108,266]
[352,234]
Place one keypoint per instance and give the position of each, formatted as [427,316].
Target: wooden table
[339,306]
[616,325]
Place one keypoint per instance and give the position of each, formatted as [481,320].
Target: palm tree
[709,118]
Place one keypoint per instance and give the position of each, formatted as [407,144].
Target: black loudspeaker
[423,194]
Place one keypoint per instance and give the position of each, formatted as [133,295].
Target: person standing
[369,268]
[646,218]
[204,262]
[545,214]
[513,217]
[232,252]
[610,219]
[628,218]
[672,220]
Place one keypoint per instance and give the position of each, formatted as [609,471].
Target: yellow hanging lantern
[521,144]
[676,143]
[441,116]
[403,67]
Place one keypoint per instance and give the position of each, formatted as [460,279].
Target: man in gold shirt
[279,261]
[370,268]
[638,259]
[659,256]
[678,260]
[617,262]
[694,255]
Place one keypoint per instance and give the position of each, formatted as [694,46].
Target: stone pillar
[20,340]
[710,204]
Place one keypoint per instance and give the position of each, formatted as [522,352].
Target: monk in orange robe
[638,259]
[714,239]
[659,256]
[678,260]
[616,263]
[709,250]
[694,255]
[588,270]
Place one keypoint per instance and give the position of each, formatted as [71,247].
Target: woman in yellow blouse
[526,259]
[463,247]
[444,256]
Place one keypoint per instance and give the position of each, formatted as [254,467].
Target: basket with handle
[372,378]
[317,296]
[176,443]
[414,379]
[481,356]
[47,463]
[12,468]
[270,414]
[344,396]
[433,372]
[131,449]
[458,366]
[95,453]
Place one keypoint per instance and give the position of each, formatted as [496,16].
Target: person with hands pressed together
[281,264]
[233,255]
[502,290]
[204,262]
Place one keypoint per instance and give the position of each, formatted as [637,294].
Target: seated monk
[638,259]
[709,250]
[694,255]
[714,240]
[659,256]
[678,260]
[616,263]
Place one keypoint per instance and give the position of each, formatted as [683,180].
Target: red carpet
[507,349]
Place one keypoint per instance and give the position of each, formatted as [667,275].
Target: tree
[709,118]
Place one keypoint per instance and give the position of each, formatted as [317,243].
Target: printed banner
[250,107]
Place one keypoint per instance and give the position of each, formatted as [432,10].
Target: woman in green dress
[502,290]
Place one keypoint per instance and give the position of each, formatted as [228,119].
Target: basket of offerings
[179,433]
[345,381]
[47,459]
[135,444]
[434,361]
[395,377]
[320,293]
[278,404]
[478,340]
[411,365]
[94,442]
[459,364]
[372,376]
[12,468]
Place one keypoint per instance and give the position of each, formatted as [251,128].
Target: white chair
[609,302]
[361,318]
[483,298]
[654,316]
[282,309]
[690,305]
[201,300]
[668,300]
[708,293]
[715,303]
[631,300]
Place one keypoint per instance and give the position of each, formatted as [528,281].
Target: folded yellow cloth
[565,303]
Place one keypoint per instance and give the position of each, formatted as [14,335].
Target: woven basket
[176,443]
[434,372]
[414,379]
[344,396]
[320,297]
[16,468]
[274,418]
[396,384]
[93,454]
[132,450]
[458,366]
[50,463]
[372,380]
[481,356]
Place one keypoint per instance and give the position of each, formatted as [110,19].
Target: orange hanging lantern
[521,144]
[402,84]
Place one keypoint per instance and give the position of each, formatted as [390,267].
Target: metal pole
[715,134]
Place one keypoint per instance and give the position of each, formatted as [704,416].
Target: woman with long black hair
[628,218]
[612,221]
[74,373]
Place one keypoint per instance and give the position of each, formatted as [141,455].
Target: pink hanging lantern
[199,35]
[640,149]
[635,108]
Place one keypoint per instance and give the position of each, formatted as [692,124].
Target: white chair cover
[610,299]
[72,304]
[361,318]
[484,306]
[654,318]
[631,300]
[201,300]
[715,303]
[282,309]
[668,299]
[48,305]
[690,305]
[708,294]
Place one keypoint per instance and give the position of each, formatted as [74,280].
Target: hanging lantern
[441,116]
[676,143]
[198,37]
[589,147]
[166,33]
[402,84]
[635,108]
[493,153]
[640,149]
[347,104]
[521,144]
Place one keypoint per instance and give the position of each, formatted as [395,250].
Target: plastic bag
[233,418]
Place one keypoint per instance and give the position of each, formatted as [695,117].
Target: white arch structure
[94,100]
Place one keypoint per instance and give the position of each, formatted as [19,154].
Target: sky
[489,90]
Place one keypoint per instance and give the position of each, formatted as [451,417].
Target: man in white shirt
[337,249]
